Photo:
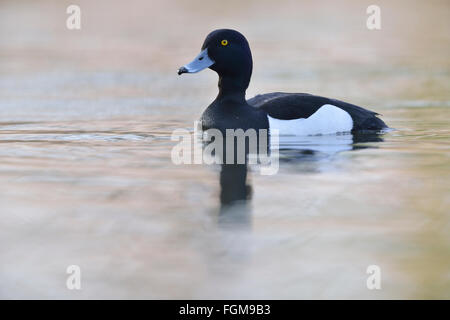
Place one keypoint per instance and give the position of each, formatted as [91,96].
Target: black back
[289,106]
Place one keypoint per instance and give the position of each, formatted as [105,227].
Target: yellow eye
[224,42]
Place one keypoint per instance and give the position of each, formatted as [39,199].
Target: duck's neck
[232,89]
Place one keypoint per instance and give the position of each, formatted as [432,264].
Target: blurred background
[86,177]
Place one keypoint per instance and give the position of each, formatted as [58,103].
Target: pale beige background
[86,176]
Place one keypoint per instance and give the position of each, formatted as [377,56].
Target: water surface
[86,176]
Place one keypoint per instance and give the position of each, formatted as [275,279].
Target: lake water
[86,176]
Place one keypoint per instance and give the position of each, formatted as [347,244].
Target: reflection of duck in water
[296,148]
[234,196]
[236,191]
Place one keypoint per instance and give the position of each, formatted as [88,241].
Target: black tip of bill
[182,70]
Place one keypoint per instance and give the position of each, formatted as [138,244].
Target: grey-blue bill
[200,62]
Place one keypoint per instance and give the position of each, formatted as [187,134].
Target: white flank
[328,119]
